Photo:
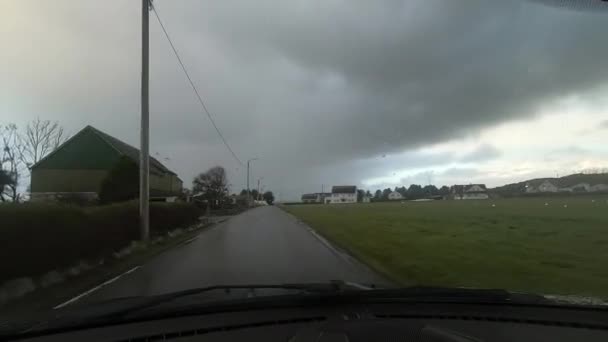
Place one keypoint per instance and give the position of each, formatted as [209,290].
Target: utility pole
[259,179]
[248,190]
[144,154]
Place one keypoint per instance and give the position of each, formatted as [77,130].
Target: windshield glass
[150,147]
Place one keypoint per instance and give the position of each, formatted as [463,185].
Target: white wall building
[342,194]
[547,186]
[470,192]
[475,191]
[395,196]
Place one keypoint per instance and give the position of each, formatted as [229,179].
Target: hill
[515,189]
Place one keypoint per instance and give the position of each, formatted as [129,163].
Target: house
[318,197]
[395,196]
[547,186]
[79,166]
[366,199]
[342,194]
[475,191]
[468,192]
[311,198]
[581,187]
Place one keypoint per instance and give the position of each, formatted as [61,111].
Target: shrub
[39,237]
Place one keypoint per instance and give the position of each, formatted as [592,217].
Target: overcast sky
[373,93]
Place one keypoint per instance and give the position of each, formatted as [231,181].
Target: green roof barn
[80,164]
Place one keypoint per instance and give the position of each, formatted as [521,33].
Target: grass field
[520,244]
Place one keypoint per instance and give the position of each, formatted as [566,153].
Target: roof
[344,189]
[470,186]
[115,144]
[309,196]
[129,151]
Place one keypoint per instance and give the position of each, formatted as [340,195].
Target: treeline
[211,187]
[415,191]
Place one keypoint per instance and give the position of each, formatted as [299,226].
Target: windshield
[150,147]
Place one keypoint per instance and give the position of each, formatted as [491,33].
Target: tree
[368,194]
[212,184]
[430,190]
[385,193]
[11,162]
[268,197]
[5,180]
[254,194]
[444,191]
[378,195]
[41,138]
[415,192]
[121,183]
[360,194]
[244,192]
[402,190]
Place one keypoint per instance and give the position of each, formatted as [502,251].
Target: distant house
[80,165]
[469,192]
[310,198]
[366,199]
[581,187]
[475,191]
[342,194]
[547,186]
[318,197]
[394,196]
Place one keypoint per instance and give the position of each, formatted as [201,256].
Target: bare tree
[41,138]
[212,184]
[11,162]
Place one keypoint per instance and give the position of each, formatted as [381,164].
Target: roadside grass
[520,244]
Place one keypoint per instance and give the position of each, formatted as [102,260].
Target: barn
[79,166]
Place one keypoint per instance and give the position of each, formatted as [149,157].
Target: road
[262,245]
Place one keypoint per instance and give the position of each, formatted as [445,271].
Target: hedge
[36,238]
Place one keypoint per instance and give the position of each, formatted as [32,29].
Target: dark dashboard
[365,322]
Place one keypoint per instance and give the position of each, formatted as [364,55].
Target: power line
[193,86]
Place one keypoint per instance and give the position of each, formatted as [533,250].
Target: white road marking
[88,292]
[188,241]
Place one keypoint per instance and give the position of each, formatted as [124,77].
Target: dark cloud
[312,88]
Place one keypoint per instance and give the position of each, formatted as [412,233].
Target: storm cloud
[320,91]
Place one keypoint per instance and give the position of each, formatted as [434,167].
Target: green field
[519,244]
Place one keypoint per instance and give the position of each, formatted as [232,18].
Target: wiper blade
[448,294]
[115,310]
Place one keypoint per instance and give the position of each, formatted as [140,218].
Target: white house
[547,186]
[394,196]
[469,192]
[581,187]
[342,194]
[475,191]
[366,199]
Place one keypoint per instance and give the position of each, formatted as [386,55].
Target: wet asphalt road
[263,245]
